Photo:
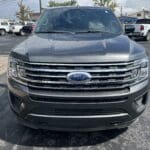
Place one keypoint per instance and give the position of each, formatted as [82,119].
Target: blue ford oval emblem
[79,77]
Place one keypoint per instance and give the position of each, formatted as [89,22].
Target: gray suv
[78,72]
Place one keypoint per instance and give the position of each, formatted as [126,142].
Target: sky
[8,8]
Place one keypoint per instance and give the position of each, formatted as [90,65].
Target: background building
[141,14]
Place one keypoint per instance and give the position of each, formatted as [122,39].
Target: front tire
[2,32]
[22,33]
[148,36]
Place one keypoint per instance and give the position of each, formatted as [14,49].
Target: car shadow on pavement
[12,132]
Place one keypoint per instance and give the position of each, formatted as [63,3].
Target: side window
[145,21]
[11,23]
[4,23]
[138,15]
[148,21]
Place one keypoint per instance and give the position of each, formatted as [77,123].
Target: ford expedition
[78,72]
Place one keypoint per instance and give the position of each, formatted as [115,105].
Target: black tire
[148,36]
[17,34]
[22,33]
[2,32]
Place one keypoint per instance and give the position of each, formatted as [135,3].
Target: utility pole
[77,3]
[121,11]
[40,3]
[144,16]
[143,13]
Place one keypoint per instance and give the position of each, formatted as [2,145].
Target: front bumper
[80,112]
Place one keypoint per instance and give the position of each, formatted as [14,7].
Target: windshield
[78,20]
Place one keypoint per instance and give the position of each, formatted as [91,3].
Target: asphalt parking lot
[8,42]
[16,137]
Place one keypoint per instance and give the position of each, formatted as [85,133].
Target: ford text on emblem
[79,77]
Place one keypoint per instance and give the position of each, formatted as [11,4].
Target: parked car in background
[10,26]
[28,28]
[127,20]
[127,23]
[17,29]
[129,28]
[4,26]
[141,29]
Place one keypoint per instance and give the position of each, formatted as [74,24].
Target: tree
[106,3]
[67,3]
[24,12]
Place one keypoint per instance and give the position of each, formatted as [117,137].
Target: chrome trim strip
[75,89]
[84,70]
[105,95]
[93,76]
[45,76]
[71,64]
[80,117]
[117,82]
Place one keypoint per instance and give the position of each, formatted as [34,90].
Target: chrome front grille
[49,76]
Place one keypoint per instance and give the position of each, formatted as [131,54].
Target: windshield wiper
[96,31]
[74,32]
[55,32]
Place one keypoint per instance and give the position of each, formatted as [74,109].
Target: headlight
[143,72]
[12,68]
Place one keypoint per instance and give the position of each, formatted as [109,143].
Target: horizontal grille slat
[83,70]
[88,64]
[104,76]
[45,76]
[64,88]
[97,76]
[68,83]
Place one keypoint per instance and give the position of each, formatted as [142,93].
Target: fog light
[139,101]
[139,105]
[22,106]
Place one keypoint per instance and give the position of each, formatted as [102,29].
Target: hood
[78,48]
